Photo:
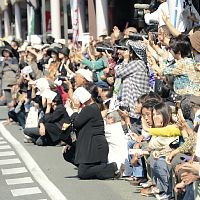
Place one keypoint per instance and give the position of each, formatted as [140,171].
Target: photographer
[134,74]
[96,66]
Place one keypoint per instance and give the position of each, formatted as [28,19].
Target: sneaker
[149,191]
[147,184]
[162,196]
[28,140]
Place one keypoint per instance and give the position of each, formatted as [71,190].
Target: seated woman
[91,154]
[159,146]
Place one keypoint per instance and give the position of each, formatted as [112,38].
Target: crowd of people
[121,107]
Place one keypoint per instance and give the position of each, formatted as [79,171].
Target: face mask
[197,57]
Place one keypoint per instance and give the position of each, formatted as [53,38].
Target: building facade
[21,18]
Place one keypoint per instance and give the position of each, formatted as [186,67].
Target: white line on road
[7,153]
[53,192]
[18,170]
[1,138]
[9,161]
[16,181]
[3,142]
[5,147]
[25,191]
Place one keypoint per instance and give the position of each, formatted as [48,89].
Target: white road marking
[25,191]
[1,138]
[5,147]
[16,181]
[18,170]
[7,153]
[53,192]
[9,161]
[3,142]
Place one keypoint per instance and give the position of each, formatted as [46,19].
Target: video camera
[138,17]
[137,36]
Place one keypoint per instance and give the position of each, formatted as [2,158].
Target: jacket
[91,145]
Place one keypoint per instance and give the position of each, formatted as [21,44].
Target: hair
[153,96]
[182,45]
[149,104]
[141,99]
[109,92]
[149,96]
[16,42]
[93,90]
[165,111]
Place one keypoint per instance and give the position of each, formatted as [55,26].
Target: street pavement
[26,182]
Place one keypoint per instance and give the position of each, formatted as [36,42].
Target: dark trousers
[53,131]
[50,129]
[18,117]
[189,193]
[97,171]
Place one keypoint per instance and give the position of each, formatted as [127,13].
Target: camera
[121,47]
[104,49]
[137,36]
[62,78]
[126,108]
[139,7]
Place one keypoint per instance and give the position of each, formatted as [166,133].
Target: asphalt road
[62,174]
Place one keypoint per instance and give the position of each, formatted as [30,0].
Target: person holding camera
[134,74]
[97,66]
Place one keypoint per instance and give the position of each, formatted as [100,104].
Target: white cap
[86,73]
[81,94]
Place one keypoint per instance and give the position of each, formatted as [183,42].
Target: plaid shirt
[135,82]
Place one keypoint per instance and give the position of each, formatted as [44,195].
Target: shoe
[147,184]
[147,192]
[117,173]
[28,140]
[41,141]
[162,196]
[60,144]
[138,181]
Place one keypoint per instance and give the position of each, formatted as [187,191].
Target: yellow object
[168,131]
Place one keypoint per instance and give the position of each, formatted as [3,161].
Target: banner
[75,20]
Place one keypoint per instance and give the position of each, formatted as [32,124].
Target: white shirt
[176,12]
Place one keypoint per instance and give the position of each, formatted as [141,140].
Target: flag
[75,20]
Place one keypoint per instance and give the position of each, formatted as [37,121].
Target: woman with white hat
[91,154]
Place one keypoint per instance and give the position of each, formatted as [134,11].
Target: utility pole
[65,4]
